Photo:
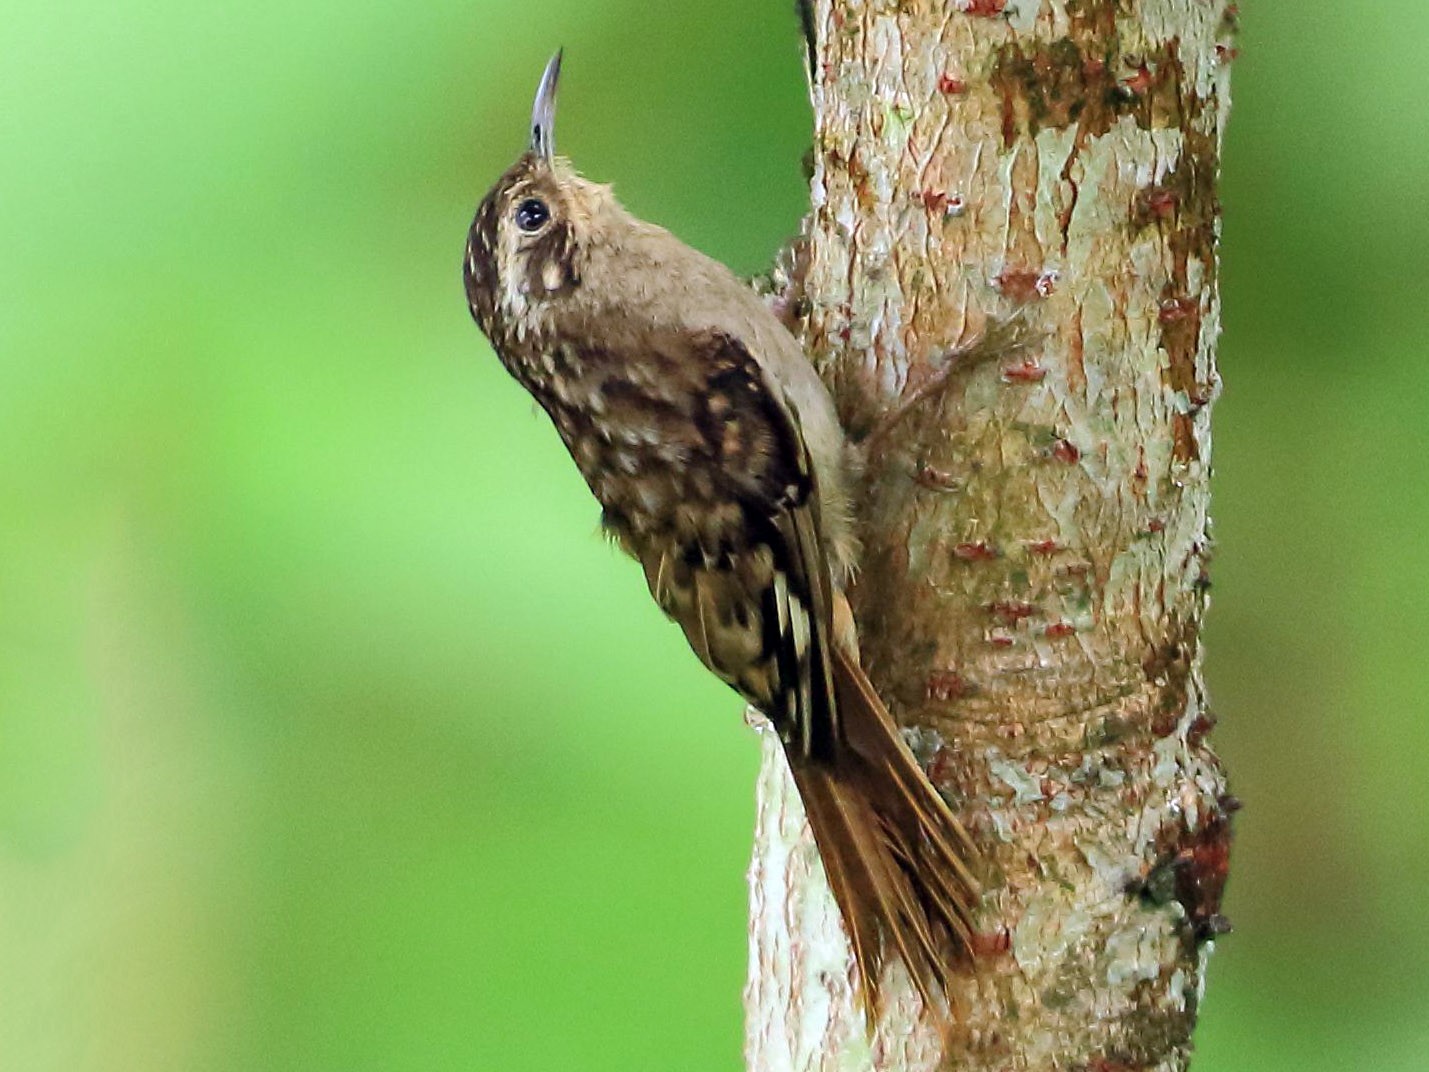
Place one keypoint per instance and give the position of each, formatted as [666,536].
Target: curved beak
[543,111]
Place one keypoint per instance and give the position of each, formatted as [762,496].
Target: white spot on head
[513,294]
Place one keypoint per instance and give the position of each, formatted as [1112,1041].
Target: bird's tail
[895,856]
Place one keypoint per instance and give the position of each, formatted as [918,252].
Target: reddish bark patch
[950,85]
[1200,726]
[1154,204]
[1011,611]
[1164,723]
[1065,451]
[1192,871]
[945,685]
[1140,82]
[976,551]
[942,203]
[984,8]
[935,479]
[1183,438]
[985,945]
[1025,371]
[1202,867]
[1019,284]
[1173,310]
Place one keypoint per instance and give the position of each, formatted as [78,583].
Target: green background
[333,738]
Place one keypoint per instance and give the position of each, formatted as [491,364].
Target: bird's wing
[756,604]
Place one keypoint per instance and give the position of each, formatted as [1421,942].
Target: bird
[717,456]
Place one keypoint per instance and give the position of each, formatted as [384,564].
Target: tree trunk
[1036,535]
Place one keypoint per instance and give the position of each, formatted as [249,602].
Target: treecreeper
[714,449]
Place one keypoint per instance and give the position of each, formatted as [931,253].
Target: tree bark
[1036,536]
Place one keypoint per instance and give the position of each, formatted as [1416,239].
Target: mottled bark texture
[1037,539]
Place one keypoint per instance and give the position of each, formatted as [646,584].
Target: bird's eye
[532,214]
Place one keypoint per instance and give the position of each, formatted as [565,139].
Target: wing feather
[756,605]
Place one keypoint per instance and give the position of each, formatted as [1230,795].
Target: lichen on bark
[1037,540]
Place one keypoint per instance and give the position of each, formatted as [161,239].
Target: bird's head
[526,245]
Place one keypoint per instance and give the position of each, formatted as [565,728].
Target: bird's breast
[629,427]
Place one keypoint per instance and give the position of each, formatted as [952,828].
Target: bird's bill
[543,111]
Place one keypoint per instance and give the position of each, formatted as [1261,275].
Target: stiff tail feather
[895,856]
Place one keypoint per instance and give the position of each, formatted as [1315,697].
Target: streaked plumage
[714,449]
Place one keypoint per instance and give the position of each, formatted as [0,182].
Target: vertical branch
[1036,541]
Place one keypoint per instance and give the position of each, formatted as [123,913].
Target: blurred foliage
[332,738]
